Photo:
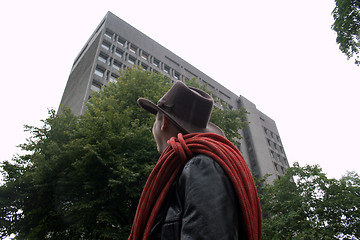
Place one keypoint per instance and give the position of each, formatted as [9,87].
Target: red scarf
[173,159]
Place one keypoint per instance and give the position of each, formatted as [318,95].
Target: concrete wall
[77,88]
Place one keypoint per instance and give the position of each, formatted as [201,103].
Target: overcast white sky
[280,54]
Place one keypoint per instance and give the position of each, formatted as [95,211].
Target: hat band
[165,107]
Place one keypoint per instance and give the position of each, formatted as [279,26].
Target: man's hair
[159,116]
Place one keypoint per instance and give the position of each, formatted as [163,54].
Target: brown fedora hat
[187,107]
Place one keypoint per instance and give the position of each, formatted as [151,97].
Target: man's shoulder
[201,166]
[200,161]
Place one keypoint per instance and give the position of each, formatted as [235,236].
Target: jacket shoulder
[202,166]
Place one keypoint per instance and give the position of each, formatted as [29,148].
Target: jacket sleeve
[210,207]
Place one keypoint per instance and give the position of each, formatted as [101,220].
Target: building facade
[115,45]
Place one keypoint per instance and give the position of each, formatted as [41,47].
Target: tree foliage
[81,176]
[305,204]
[347,26]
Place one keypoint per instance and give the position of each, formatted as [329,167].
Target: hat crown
[188,104]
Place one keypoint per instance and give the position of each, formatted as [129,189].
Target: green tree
[305,204]
[81,176]
[347,26]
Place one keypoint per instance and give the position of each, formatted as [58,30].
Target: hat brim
[154,109]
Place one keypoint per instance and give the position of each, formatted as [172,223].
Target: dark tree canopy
[305,204]
[81,177]
[347,26]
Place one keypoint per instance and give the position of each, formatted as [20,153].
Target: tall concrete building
[115,45]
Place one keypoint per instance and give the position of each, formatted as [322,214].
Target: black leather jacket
[201,204]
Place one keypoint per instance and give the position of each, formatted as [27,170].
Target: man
[201,187]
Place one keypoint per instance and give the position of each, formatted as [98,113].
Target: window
[269,142]
[156,62]
[119,52]
[144,66]
[103,57]
[113,77]
[145,55]
[224,95]
[121,41]
[172,61]
[117,65]
[272,154]
[109,34]
[177,75]
[266,131]
[276,166]
[286,161]
[211,86]
[99,71]
[133,48]
[193,74]
[131,59]
[106,45]
[282,160]
[166,68]
[282,149]
[275,146]
[95,86]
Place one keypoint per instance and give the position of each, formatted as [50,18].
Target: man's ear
[165,123]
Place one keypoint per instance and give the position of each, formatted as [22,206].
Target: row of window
[271,143]
[110,76]
[120,54]
[95,86]
[272,135]
[106,59]
[103,73]
[137,51]
[275,146]
[279,158]
[279,168]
